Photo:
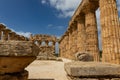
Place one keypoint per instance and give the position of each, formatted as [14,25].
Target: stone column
[81,36]
[91,34]
[2,27]
[11,35]
[5,34]
[67,45]
[39,42]
[110,31]
[75,38]
[61,47]
[70,42]
[54,46]
[47,43]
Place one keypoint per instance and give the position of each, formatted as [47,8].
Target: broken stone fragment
[16,55]
[83,56]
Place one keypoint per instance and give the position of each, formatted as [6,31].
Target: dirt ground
[47,70]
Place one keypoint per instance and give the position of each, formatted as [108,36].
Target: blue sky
[39,16]
[32,16]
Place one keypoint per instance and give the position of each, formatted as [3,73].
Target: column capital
[91,7]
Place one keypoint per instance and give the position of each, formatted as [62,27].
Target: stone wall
[46,43]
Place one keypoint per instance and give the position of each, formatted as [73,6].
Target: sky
[27,17]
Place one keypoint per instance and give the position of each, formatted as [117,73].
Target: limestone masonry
[14,57]
[82,33]
[46,44]
[79,42]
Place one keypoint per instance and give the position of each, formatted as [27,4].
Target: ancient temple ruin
[7,34]
[46,43]
[82,34]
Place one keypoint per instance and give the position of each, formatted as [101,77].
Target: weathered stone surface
[46,52]
[77,78]
[92,69]
[15,76]
[18,48]
[46,43]
[16,55]
[14,64]
[84,56]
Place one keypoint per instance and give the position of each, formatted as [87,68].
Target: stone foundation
[15,76]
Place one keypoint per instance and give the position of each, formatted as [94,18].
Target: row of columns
[83,33]
[7,34]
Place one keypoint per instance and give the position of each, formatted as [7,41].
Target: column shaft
[92,34]
[110,31]
[81,45]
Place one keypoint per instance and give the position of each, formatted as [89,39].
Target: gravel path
[47,70]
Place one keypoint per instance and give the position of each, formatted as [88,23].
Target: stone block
[16,55]
[92,69]
[14,64]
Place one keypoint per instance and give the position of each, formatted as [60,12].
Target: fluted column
[110,31]
[67,45]
[63,47]
[73,42]
[91,34]
[75,38]
[70,42]
[81,36]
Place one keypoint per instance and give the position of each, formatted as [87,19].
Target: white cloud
[118,4]
[51,26]
[65,7]
[26,34]
[43,1]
